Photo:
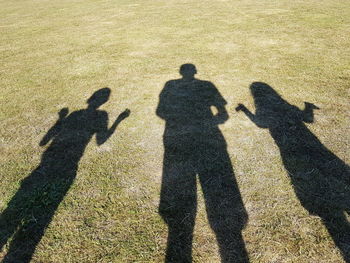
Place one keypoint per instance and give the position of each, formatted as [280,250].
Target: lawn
[85,100]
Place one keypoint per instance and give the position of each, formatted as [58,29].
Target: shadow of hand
[63,113]
[124,114]
[240,107]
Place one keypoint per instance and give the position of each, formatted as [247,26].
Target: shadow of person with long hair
[194,145]
[31,209]
[320,179]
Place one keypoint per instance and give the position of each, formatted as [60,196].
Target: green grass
[55,54]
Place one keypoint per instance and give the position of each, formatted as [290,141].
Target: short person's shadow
[31,209]
[320,179]
[194,146]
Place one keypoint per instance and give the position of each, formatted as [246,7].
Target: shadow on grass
[320,179]
[194,145]
[31,209]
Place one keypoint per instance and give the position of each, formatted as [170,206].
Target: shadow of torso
[190,124]
[70,137]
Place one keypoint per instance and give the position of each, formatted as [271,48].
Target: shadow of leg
[178,209]
[226,212]
[25,240]
[10,219]
[179,247]
[339,229]
[32,209]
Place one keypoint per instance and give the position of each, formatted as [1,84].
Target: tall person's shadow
[31,209]
[194,146]
[320,179]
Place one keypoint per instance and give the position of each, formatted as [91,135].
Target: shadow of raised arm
[103,135]
[251,116]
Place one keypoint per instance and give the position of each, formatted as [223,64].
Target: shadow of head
[261,89]
[188,71]
[100,97]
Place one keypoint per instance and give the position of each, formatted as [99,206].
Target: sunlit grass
[55,54]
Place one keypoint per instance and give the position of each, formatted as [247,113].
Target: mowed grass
[55,54]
